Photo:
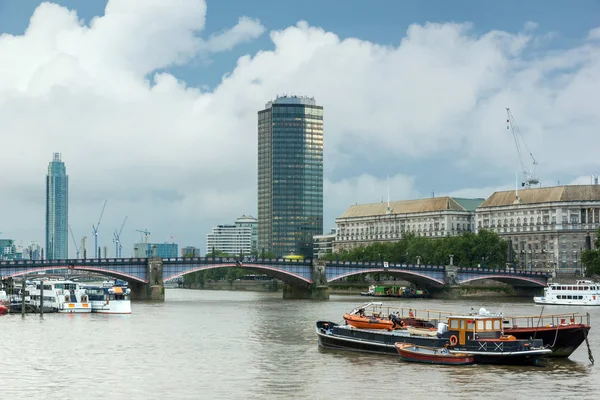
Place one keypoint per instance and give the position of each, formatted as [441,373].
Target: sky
[153,104]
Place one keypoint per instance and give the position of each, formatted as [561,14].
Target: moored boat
[480,335]
[562,333]
[109,300]
[62,296]
[582,293]
[432,355]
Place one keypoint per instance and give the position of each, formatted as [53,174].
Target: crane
[530,178]
[74,242]
[146,234]
[95,230]
[117,239]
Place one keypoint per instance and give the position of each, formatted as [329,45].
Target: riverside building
[290,175]
[239,238]
[546,227]
[435,217]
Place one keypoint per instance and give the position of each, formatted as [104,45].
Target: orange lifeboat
[368,322]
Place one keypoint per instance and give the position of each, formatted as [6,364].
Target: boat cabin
[474,327]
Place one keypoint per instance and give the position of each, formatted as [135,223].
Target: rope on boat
[538,324]
[590,356]
[555,337]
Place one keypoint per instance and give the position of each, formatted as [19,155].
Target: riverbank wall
[484,288]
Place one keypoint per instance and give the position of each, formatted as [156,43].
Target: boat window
[580,297]
[569,297]
[462,324]
[480,325]
[454,324]
[586,288]
[497,325]
[470,325]
[569,287]
[488,325]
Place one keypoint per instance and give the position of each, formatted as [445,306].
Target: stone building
[546,227]
[434,217]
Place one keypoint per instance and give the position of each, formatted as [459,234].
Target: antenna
[517,200]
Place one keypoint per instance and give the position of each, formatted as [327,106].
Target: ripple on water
[210,344]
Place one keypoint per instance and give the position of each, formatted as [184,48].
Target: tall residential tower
[290,175]
[57,210]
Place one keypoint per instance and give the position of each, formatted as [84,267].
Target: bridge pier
[154,290]
[317,290]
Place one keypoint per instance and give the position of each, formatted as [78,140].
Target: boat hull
[112,307]
[563,340]
[334,336]
[426,355]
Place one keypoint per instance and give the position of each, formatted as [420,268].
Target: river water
[225,345]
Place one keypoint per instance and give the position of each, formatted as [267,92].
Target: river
[249,345]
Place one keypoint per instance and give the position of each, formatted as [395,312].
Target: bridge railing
[225,260]
[511,272]
[377,264]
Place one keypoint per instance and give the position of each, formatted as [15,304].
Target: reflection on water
[216,344]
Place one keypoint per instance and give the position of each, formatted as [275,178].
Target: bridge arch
[285,276]
[511,280]
[102,271]
[413,276]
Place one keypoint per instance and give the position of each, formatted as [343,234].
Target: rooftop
[413,206]
[545,195]
[305,100]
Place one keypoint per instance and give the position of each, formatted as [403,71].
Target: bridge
[302,278]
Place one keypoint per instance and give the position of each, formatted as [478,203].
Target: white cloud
[594,34]
[179,159]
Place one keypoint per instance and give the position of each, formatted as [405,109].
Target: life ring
[453,340]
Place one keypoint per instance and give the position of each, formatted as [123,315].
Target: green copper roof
[468,204]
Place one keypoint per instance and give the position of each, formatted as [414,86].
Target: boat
[3,309]
[109,300]
[562,333]
[371,316]
[432,355]
[63,296]
[371,291]
[582,293]
[480,335]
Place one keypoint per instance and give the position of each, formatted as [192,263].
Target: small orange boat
[359,318]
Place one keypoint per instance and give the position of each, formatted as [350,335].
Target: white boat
[109,300]
[62,296]
[582,293]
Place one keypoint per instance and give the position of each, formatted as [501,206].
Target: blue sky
[157,111]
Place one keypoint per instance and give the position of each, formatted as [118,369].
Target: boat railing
[539,321]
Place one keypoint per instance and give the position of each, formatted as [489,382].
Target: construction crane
[95,231]
[146,234]
[529,174]
[74,242]
[117,239]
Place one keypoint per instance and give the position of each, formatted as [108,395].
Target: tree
[591,258]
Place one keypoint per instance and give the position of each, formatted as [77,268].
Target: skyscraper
[290,175]
[57,210]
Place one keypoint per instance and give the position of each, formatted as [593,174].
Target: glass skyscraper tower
[290,175]
[57,210]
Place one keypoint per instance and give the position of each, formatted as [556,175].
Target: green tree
[591,258]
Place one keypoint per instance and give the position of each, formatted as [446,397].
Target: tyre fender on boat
[453,340]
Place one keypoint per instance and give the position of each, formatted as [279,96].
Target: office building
[546,227]
[161,250]
[252,223]
[190,251]
[8,250]
[290,175]
[363,224]
[57,210]
[323,244]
